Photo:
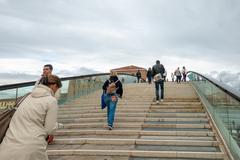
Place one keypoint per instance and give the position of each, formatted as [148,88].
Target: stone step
[177,115]
[119,102]
[136,103]
[136,153]
[133,119]
[135,98]
[135,125]
[97,107]
[62,157]
[149,158]
[107,141]
[162,115]
[105,110]
[77,132]
[146,147]
[170,110]
[175,107]
[120,110]
[177,103]
[177,128]
[185,138]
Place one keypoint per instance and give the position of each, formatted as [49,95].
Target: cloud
[101,35]
[227,77]
[76,72]
[10,78]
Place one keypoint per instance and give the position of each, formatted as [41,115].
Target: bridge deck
[177,128]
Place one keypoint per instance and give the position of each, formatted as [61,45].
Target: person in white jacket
[34,120]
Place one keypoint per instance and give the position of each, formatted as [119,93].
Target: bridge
[198,120]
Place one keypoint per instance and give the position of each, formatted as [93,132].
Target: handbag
[158,77]
[103,104]
[6,116]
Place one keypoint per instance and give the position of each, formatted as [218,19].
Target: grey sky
[203,35]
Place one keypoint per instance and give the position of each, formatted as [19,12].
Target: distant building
[132,70]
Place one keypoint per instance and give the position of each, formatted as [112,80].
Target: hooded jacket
[34,119]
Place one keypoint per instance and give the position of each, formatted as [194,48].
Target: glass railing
[223,103]
[73,87]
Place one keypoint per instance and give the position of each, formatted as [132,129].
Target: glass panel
[70,90]
[224,109]
[24,90]
[7,98]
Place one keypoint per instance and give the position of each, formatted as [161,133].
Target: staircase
[176,129]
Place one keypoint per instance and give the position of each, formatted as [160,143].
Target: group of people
[150,75]
[32,126]
[181,75]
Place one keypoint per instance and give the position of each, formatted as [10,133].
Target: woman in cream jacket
[33,121]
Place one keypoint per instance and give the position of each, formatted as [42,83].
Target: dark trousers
[184,77]
[138,79]
[149,79]
[179,79]
[158,86]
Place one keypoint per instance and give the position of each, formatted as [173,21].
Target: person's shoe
[161,100]
[154,99]
[157,101]
[110,128]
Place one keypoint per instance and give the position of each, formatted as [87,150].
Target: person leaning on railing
[47,71]
[35,119]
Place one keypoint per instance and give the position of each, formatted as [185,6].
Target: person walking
[32,124]
[157,72]
[165,75]
[184,73]
[138,74]
[178,75]
[149,75]
[112,89]
[172,76]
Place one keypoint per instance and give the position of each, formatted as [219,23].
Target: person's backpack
[6,116]
[111,88]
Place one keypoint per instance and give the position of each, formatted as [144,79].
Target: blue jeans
[159,85]
[111,102]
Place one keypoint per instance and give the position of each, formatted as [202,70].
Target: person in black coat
[149,75]
[138,74]
[113,90]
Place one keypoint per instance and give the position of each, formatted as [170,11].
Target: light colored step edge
[135,125]
[108,141]
[135,132]
[136,153]
[136,119]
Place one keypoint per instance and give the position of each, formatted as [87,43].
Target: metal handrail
[30,83]
[230,91]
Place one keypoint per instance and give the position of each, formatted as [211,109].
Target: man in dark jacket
[158,69]
[138,74]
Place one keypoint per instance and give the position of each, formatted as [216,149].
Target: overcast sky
[203,35]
